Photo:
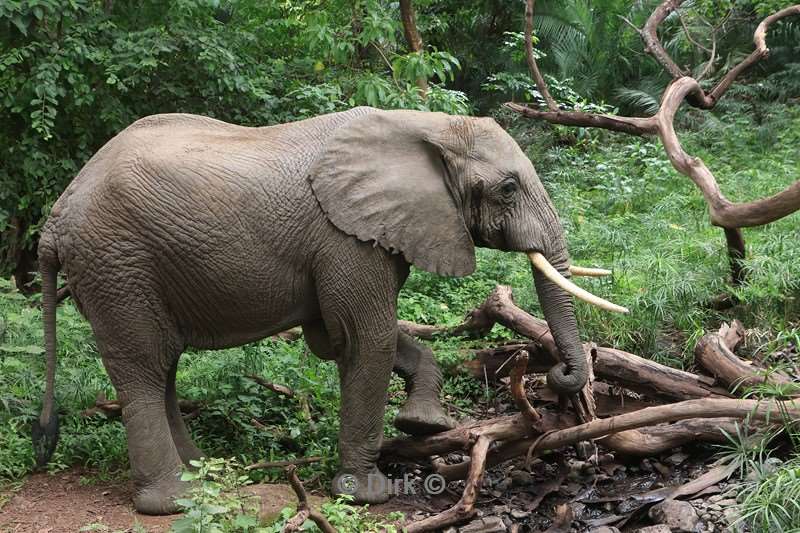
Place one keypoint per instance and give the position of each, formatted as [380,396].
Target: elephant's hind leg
[422,413]
[138,349]
[180,433]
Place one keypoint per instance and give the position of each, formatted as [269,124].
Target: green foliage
[216,502]
[772,502]
[344,516]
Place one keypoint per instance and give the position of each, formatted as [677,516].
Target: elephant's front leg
[364,375]
[422,413]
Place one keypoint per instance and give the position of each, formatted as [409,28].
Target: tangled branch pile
[682,406]
[731,216]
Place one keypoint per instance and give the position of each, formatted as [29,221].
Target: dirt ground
[66,503]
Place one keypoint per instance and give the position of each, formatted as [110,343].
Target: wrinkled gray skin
[187,231]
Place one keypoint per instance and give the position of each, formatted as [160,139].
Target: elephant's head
[432,186]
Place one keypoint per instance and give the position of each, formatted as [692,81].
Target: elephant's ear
[382,177]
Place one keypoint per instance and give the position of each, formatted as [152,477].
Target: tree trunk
[412,37]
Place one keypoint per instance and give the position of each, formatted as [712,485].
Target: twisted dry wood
[304,510]
[516,427]
[465,507]
[722,212]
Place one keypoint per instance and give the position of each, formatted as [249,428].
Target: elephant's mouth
[541,263]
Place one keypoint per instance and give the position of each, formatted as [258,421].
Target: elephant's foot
[423,417]
[370,488]
[159,498]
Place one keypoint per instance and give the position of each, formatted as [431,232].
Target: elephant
[188,231]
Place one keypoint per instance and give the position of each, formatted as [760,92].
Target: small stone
[705,517]
[604,529]
[731,493]
[715,498]
[731,516]
[660,528]
[501,509]
[519,514]
[677,458]
[490,524]
[521,478]
[726,503]
[677,515]
[714,507]
[451,530]
[504,484]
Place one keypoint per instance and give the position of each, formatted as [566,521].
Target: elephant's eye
[509,187]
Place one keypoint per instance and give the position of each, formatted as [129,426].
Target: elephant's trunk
[569,376]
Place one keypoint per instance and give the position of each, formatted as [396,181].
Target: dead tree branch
[715,353]
[722,211]
[465,507]
[304,510]
[283,390]
[531,58]
[113,408]
[515,427]
[282,464]
[409,19]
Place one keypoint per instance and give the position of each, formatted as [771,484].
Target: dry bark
[516,427]
[283,464]
[304,510]
[113,408]
[714,352]
[530,58]
[283,390]
[731,216]
[409,19]
[611,365]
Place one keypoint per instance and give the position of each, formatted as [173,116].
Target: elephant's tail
[45,430]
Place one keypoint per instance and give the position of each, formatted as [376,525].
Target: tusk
[553,275]
[591,272]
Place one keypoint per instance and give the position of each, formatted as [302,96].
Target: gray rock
[660,528]
[604,529]
[731,516]
[521,478]
[677,458]
[519,514]
[677,515]
[726,503]
[490,524]
[501,509]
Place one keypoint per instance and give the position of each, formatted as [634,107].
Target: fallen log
[113,408]
[613,366]
[283,390]
[519,435]
[714,352]
[516,427]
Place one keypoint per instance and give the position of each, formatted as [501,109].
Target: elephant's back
[177,197]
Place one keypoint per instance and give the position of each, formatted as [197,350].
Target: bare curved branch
[531,59]
[722,211]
